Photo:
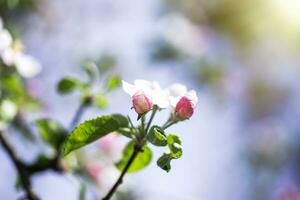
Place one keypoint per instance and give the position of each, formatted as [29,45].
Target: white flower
[8,109]
[5,40]
[9,56]
[177,91]
[27,66]
[151,89]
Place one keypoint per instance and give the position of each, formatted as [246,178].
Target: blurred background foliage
[244,53]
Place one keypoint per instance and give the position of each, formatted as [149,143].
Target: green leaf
[51,132]
[13,88]
[127,132]
[156,136]
[164,162]
[113,83]
[93,129]
[142,160]
[122,120]
[101,101]
[69,84]
[174,143]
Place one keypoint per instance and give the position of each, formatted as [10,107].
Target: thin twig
[77,115]
[50,164]
[120,179]
[20,167]
[143,126]
[150,120]
[167,125]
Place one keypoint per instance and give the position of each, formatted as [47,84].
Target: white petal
[193,96]
[27,66]
[8,108]
[174,100]
[146,85]
[142,85]
[128,88]
[9,56]
[177,90]
[5,40]
[160,98]
[155,86]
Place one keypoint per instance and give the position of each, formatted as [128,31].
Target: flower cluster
[137,154]
[145,95]
[11,54]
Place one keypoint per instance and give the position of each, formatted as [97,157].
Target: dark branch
[49,164]
[20,167]
[120,179]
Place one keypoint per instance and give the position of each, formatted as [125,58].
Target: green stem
[151,119]
[143,125]
[167,125]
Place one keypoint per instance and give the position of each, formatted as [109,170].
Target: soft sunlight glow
[288,11]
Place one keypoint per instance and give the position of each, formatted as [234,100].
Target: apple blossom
[182,100]
[5,40]
[186,105]
[137,154]
[175,92]
[184,108]
[141,103]
[151,90]
[27,65]
[12,55]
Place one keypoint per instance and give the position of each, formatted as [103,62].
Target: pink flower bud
[141,103]
[185,108]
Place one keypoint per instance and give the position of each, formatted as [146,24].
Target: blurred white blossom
[12,55]
[5,40]
[8,109]
[27,65]
[181,33]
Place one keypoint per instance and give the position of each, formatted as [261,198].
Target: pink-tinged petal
[107,143]
[141,103]
[185,108]
[95,170]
